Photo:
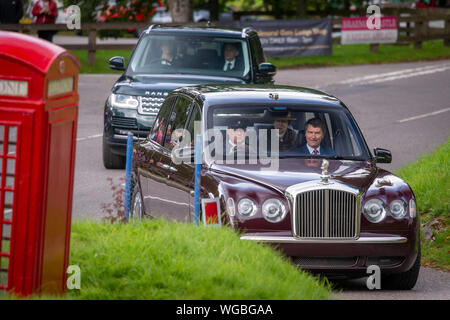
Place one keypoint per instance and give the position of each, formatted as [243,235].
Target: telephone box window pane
[7,213]
[5,245]
[11,166]
[4,265]
[2,137]
[6,233]
[9,197]
[9,183]
[6,237]
[12,140]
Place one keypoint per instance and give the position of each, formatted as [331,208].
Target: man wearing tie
[230,53]
[314,133]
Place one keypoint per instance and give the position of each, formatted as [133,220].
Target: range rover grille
[326,213]
[150,105]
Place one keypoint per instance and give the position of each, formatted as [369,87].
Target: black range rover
[166,58]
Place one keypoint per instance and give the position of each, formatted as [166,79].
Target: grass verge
[156,259]
[360,54]
[342,55]
[429,177]
[101,60]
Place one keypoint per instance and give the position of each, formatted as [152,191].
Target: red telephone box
[38,122]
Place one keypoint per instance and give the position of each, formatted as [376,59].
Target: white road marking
[90,137]
[395,75]
[424,115]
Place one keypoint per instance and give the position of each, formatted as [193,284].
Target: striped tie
[315,152]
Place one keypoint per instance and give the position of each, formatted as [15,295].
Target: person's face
[313,136]
[281,125]
[230,52]
[313,162]
[167,51]
[236,136]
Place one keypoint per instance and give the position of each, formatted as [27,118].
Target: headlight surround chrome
[230,207]
[246,207]
[374,210]
[398,209]
[412,208]
[273,210]
[124,101]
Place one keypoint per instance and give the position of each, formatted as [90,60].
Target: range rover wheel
[111,160]
[402,281]
[136,207]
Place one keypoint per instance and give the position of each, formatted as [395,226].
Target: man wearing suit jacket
[314,133]
[230,53]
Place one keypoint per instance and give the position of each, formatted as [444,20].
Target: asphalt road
[401,107]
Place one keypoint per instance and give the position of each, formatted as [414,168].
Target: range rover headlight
[124,101]
[273,210]
[398,209]
[246,207]
[374,210]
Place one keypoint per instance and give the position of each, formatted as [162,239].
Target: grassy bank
[160,260]
[101,58]
[360,54]
[429,177]
[342,55]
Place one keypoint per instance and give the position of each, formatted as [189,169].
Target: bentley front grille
[326,213]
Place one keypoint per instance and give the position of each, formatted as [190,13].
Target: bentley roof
[276,94]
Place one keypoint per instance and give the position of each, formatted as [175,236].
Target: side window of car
[177,122]
[196,116]
[256,50]
[160,125]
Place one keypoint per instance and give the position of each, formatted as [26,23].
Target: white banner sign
[356,30]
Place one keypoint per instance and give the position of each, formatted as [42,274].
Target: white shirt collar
[226,63]
[311,150]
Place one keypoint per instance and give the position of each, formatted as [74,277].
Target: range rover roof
[202,30]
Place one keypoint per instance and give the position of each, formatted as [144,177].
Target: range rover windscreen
[199,55]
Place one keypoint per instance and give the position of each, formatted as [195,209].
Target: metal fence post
[197,181]
[128,174]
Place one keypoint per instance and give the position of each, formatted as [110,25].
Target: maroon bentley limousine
[286,166]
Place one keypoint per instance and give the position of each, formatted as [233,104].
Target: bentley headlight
[124,101]
[374,210]
[246,207]
[273,210]
[398,209]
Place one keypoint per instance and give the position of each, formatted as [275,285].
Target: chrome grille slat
[326,213]
[151,105]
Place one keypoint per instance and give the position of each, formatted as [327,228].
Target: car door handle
[167,167]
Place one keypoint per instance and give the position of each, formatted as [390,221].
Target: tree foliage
[92,9]
[181,10]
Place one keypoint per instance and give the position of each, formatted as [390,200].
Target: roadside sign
[356,30]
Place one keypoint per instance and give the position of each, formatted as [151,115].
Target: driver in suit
[314,133]
[231,61]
